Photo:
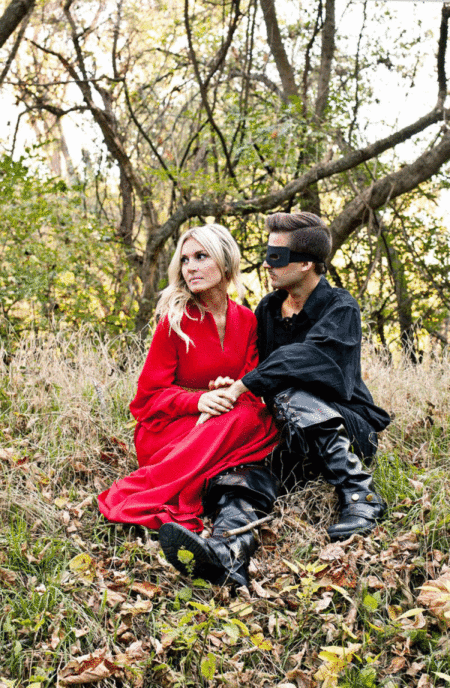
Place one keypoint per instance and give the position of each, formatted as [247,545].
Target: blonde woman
[187,430]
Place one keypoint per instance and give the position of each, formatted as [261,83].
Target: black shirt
[318,349]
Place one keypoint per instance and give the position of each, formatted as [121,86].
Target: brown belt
[192,389]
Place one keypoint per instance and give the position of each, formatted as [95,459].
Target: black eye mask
[280,256]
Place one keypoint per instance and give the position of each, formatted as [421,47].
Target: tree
[199,127]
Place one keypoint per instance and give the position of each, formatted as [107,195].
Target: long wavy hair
[176,297]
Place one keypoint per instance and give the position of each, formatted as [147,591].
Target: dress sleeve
[251,355]
[329,357]
[156,393]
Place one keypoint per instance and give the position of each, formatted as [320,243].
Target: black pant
[299,464]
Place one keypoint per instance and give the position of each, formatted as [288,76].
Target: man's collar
[315,302]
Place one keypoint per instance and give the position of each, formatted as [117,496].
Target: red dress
[175,456]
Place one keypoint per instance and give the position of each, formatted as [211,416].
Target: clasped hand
[220,399]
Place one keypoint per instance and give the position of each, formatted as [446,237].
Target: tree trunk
[12,16]
[402,296]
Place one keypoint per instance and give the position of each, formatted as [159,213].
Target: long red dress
[175,456]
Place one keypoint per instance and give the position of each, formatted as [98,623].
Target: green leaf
[185,594]
[232,631]
[242,627]
[370,602]
[208,666]
[184,556]
[260,642]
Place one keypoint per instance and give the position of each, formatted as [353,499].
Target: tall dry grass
[66,434]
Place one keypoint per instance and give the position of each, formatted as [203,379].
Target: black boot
[238,498]
[360,506]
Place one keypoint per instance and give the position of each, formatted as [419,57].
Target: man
[309,340]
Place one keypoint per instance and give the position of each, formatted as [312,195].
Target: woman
[203,341]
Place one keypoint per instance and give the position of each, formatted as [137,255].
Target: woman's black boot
[238,498]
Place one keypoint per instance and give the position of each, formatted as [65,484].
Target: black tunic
[319,350]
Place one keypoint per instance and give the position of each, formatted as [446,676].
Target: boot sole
[174,538]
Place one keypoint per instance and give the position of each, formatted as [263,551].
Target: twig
[249,526]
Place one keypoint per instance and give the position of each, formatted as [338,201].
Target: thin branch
[317,26]
[116,39]
[203,92]
[356,75]
[249,526]
[146,137]
[442,48]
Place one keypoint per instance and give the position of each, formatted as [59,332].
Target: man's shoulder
[272,298]
[343,296]
[334,296]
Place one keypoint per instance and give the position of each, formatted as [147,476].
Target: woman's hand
[203,418]
[215,402]
[228,396]
[220,382]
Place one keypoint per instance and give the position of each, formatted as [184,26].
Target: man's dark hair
[308,233]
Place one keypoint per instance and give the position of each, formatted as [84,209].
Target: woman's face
[200,271]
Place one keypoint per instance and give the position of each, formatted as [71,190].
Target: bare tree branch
[203,90]
[328,45]
[442,48]
[307,66]
[275,42]
[395,184]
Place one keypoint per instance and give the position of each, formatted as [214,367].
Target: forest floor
[86,601]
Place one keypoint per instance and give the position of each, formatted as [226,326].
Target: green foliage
[60,267]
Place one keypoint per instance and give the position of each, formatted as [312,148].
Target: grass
[88,601]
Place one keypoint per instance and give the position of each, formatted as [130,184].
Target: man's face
[290,275]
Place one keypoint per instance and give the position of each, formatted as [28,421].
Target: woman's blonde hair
[175,298]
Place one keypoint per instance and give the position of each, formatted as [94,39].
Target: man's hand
[215,402]
[235,390]
[220,382]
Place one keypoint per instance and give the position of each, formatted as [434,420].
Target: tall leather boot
[238,498]
[360,506]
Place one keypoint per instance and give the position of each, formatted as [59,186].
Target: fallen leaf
[84,566]
[87,669]
[435,595]
[7,576]
[415,667]
[6,454]
[147,589]
[324,602]
[139,607]
[396,665]
[260,591]
[332,552]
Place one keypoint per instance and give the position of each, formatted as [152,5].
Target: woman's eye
[202,255]
[184,260]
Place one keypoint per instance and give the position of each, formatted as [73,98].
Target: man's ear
[305,266]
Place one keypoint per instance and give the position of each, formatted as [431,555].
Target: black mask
[280,256]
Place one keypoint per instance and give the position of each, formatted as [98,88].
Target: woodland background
[124,123]
[151,117]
